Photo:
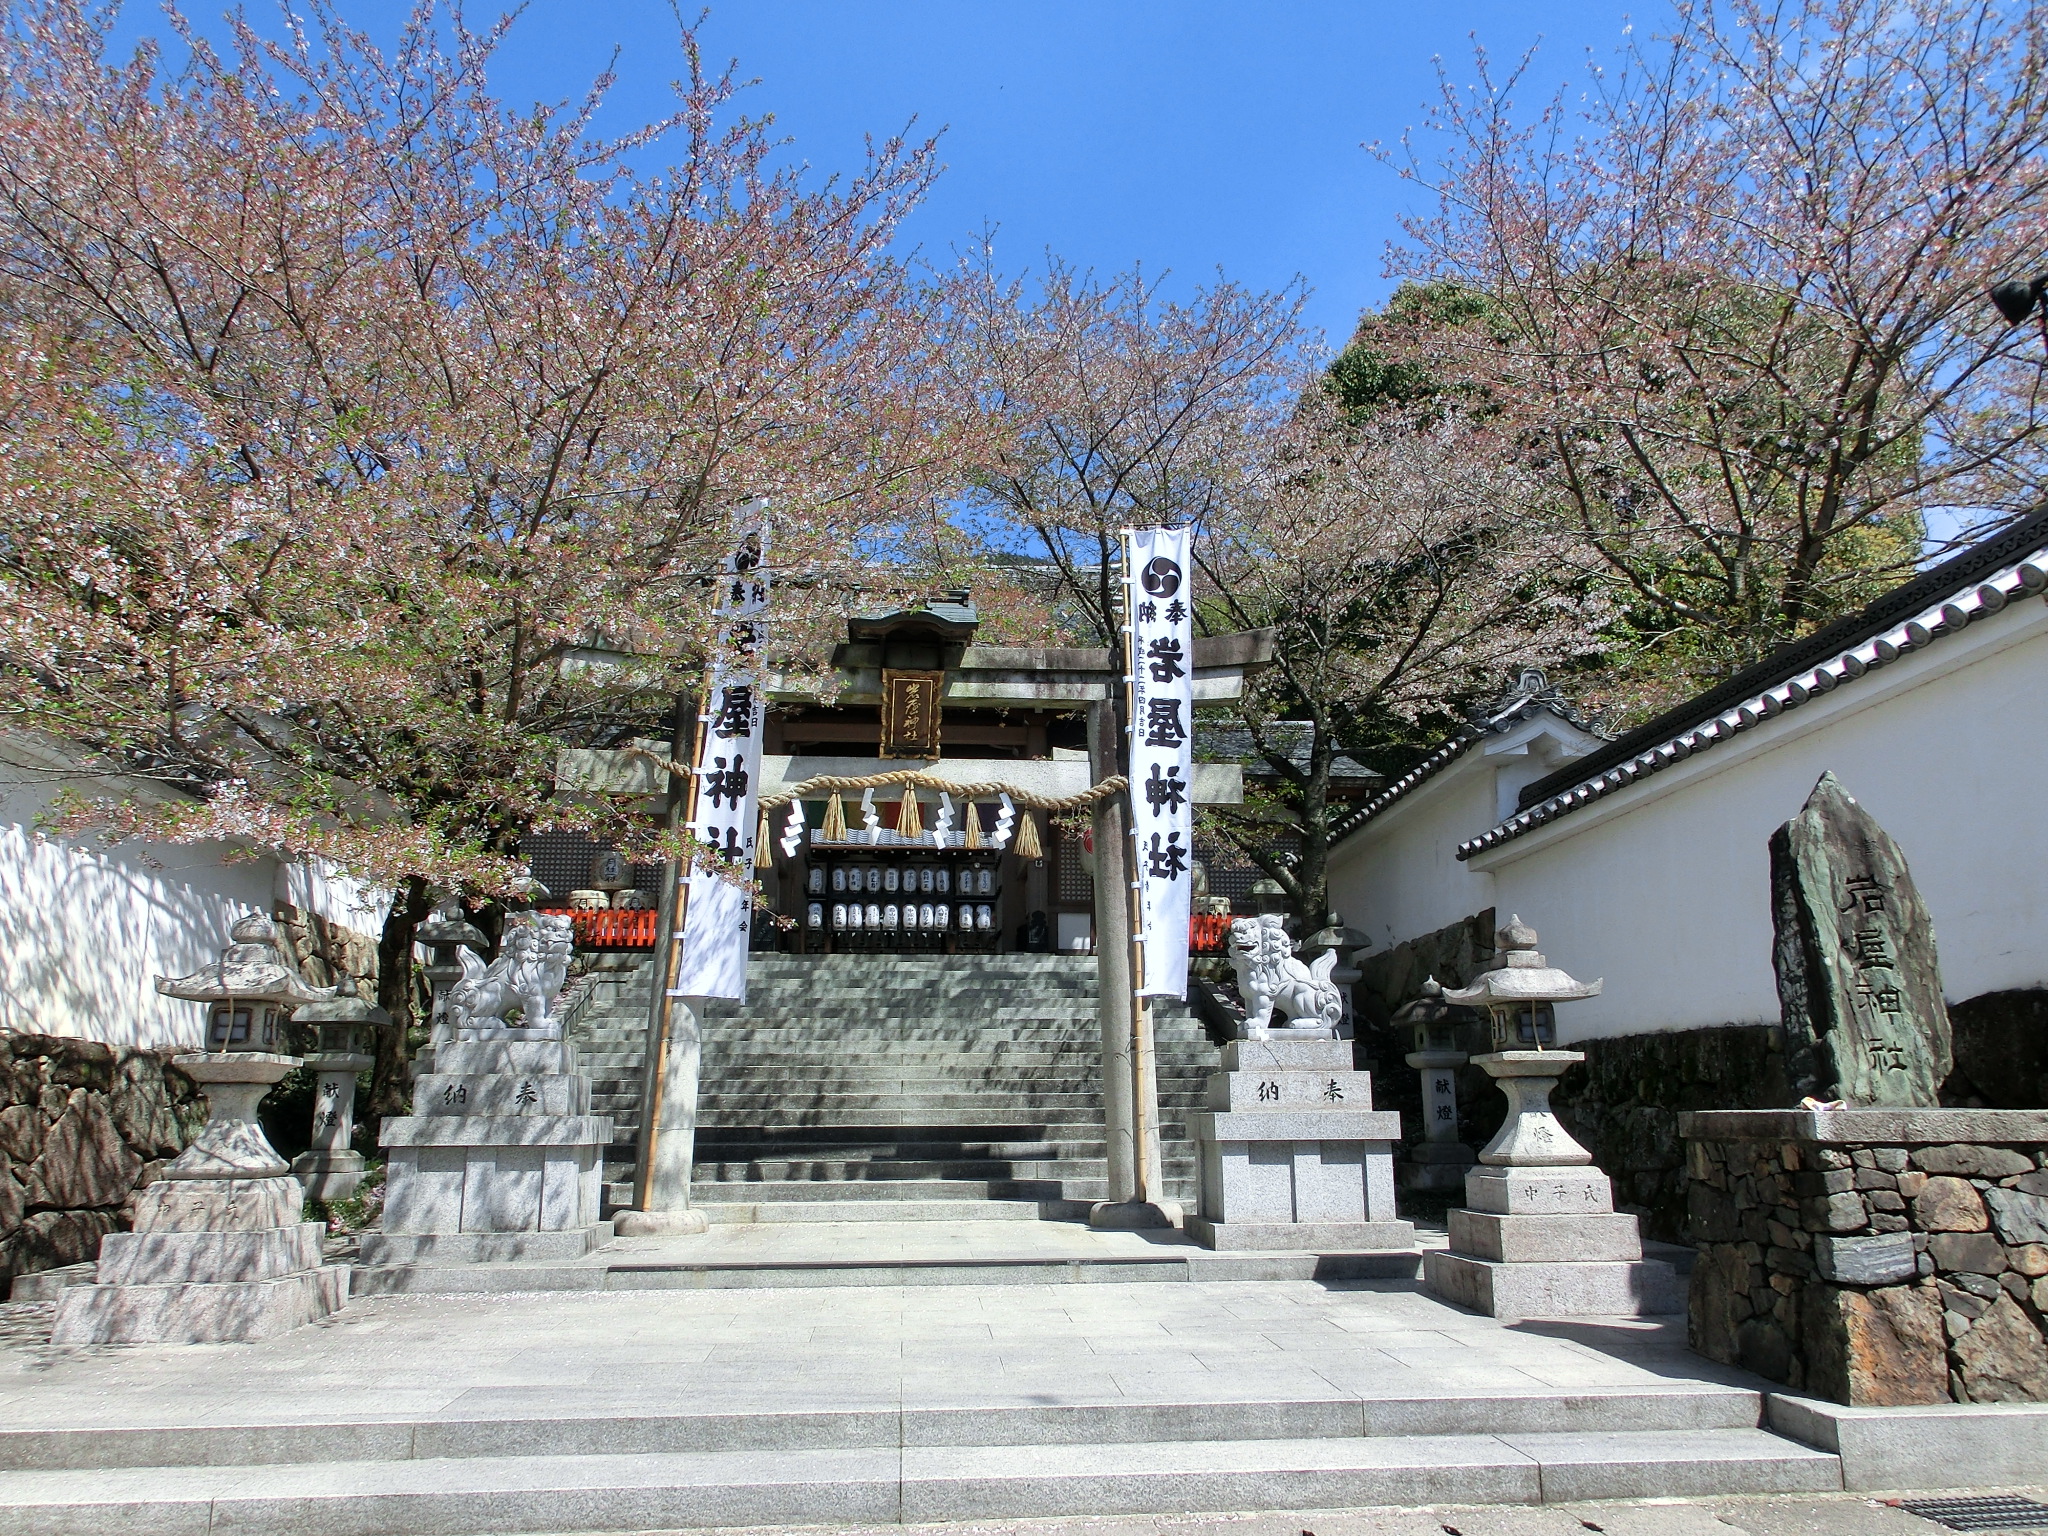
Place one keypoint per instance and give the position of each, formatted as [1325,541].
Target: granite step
[547,1490]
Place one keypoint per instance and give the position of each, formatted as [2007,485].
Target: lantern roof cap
[346,1006]
[1523,975]
[1429,1006]
[252,968]
[449,926]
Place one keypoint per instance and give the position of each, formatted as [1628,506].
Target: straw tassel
[972,839]
[1028,846]
[834,830]
[907,823]
[764,851]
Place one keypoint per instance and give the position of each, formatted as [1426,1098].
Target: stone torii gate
[974,677]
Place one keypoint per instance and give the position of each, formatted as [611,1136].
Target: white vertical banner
[718,919]
[1160,640]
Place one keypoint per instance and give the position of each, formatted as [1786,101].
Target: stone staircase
[895,1087]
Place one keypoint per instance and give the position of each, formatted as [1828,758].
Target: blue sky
[1181,133]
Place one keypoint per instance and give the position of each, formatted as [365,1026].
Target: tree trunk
[391,1078]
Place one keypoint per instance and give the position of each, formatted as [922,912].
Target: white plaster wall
[313,885]
[87,928]
[1664,888]
[1399,877]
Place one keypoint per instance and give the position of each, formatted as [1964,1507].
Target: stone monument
[501,1160]
[1857,974]
[1293,1155]
[1539,1236]
[344,1027]
[218,1253]
[1439,1160]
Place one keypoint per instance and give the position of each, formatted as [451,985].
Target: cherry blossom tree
[1402,588]
[370,439]
[1122,408]
[1729,300]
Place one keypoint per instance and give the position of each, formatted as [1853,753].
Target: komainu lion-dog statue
[1270,978]
[532,964]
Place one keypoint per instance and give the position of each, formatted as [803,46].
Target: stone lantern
[1347,942]
[1519,999]
[250,991]
[1540,1236]
[345,1034]
[1439,1160]
[446,934]
[219,1251]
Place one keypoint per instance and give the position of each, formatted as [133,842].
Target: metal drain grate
[2001,1513]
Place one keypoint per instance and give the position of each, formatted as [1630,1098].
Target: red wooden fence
[636,930]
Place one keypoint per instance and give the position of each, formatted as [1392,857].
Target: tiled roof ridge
[1516,708]
[1962,593]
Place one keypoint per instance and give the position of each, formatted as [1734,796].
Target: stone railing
[1875,1257]
[82,1127]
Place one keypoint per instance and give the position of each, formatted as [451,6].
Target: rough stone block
[1881,1260]
[1972,1162]
[1947,1204]
[1844,1212]
[1875,1348]
[219,1205]
[1545,1239]
[2003,1358]
[185,1258]
[2020,1218]
[1976,1253]
[84,1162]
[1539,1191]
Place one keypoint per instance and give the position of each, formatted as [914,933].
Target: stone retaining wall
[82,1127]
[1875,1257]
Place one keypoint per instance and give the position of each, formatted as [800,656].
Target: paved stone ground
[858,1347]
[1844,1515]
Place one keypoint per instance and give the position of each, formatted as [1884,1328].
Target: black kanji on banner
[735,711]
[1166,791]
[1163,727]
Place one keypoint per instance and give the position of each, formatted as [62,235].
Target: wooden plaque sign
[910,713]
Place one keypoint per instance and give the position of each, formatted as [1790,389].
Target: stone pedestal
[1539,1236]
[218,1254]
[1293,1154]
[502,1162]
[1877,1257]
[1439,1160]
[331,1169]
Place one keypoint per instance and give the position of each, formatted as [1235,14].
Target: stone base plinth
[484,1247]
[211,1261]
[1293,1153]
[329,1176]
[1302,1236]
[237,1312]
[503,1165]
[1539,1290]
[1547,1242]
